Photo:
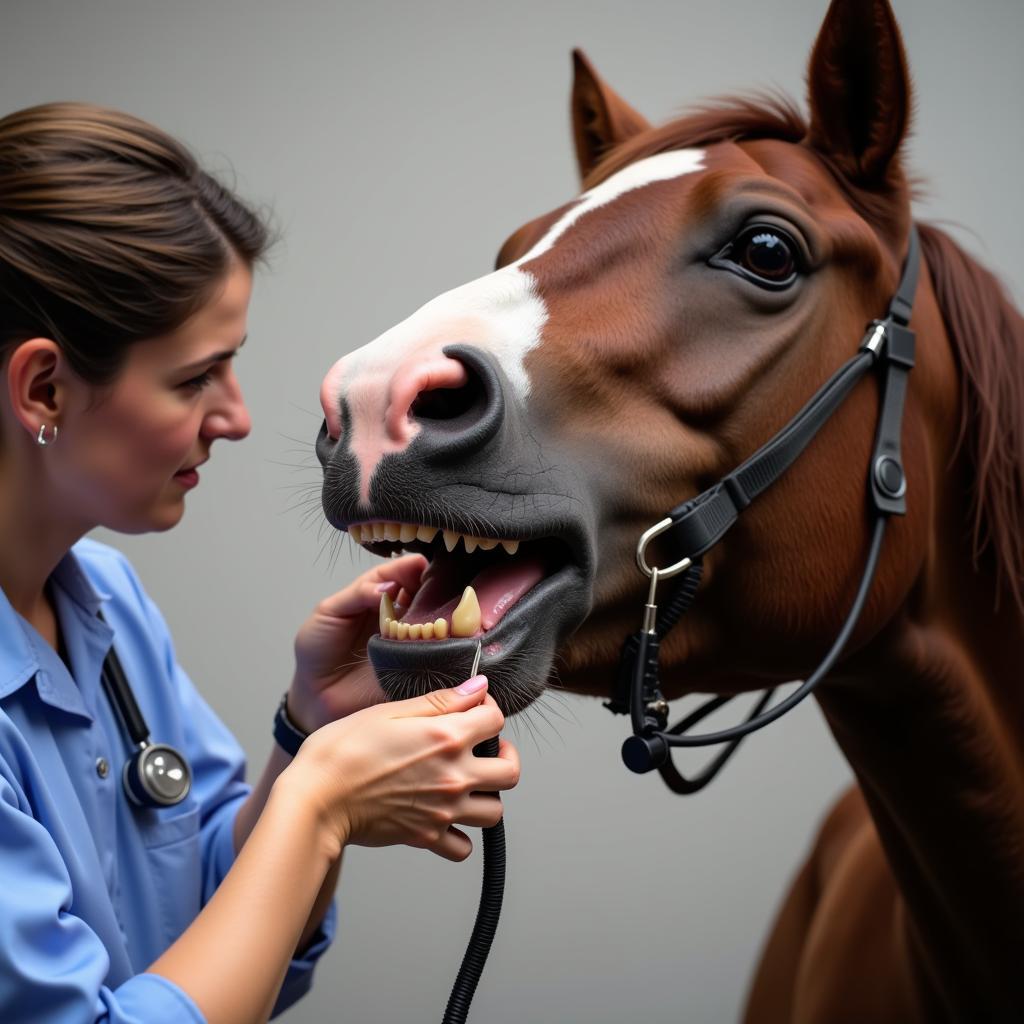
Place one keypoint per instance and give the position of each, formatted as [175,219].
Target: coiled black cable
[487,915]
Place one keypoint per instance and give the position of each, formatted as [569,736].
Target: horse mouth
[515,596]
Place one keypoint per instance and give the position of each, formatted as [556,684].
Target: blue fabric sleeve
[218,767]
[52,965]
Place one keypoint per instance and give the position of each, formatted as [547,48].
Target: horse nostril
[457,422]
[449,403]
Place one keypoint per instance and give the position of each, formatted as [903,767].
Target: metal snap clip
[641,549]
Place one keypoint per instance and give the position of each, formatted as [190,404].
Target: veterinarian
[141,878]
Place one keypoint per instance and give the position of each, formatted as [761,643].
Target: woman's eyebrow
[216,357]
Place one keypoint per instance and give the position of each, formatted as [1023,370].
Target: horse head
[631,348]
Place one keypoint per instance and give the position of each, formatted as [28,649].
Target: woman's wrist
[288,734]
[295,793]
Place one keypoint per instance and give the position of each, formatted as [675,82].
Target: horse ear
[859,90]
[601,119]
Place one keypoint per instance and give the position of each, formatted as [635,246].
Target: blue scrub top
[92,888]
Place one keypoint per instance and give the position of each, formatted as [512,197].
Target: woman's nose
[229,417]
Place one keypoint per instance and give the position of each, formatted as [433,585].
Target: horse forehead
[797,168]
[503,312]
[660,167]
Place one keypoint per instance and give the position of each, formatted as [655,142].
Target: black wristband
[287,734]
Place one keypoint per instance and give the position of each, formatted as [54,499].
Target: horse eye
[763,254]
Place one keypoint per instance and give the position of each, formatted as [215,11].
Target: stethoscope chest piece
[157,776]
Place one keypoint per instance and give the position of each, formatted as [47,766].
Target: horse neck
[931,719]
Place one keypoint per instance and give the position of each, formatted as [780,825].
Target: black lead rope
[492,895]
[698,524]
[487,914]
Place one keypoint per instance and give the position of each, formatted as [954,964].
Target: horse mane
[985,329]
[987,333]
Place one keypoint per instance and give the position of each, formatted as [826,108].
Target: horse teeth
[406,533]
[466,617]
[387,612]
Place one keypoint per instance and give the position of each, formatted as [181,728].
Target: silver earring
[41,439]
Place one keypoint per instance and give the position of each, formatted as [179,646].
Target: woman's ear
[35,388]
[601,119]
[859,90]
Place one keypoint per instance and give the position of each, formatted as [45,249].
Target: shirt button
[102,767]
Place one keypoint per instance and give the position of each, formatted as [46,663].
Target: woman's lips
[187,477]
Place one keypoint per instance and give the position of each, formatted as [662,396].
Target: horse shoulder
[837,950]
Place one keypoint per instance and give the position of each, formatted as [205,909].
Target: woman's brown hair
[110,233]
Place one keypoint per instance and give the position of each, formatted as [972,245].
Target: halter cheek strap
[695,526]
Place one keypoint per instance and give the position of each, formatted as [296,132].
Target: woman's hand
[405,772]
[333,677]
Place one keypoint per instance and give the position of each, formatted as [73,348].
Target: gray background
[398,144]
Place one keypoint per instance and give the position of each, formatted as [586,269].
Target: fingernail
[474,685]
[388,586]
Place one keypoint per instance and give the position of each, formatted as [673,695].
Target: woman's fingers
[477,811]
[480,723]
[364,593]
[444,702]
[481,810]
[505,767]
[454,844]
[493,774]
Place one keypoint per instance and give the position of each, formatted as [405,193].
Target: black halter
[697,525]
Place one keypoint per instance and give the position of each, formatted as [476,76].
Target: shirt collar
[72,579]
[22,654]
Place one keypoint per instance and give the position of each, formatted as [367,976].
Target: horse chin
[517,652]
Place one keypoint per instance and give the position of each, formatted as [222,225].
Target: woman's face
[126,461]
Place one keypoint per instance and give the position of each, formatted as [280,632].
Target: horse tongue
[499,586]
[434,598]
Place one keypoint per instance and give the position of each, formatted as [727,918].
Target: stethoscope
[155,774]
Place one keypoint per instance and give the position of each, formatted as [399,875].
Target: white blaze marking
[500,313]
[644,172]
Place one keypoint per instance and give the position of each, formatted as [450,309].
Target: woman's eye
[198,383]
[763,254]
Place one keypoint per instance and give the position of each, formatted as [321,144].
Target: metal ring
[641,547]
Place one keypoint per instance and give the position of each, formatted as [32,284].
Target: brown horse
[637,344]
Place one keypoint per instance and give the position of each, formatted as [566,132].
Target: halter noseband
[697,525]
